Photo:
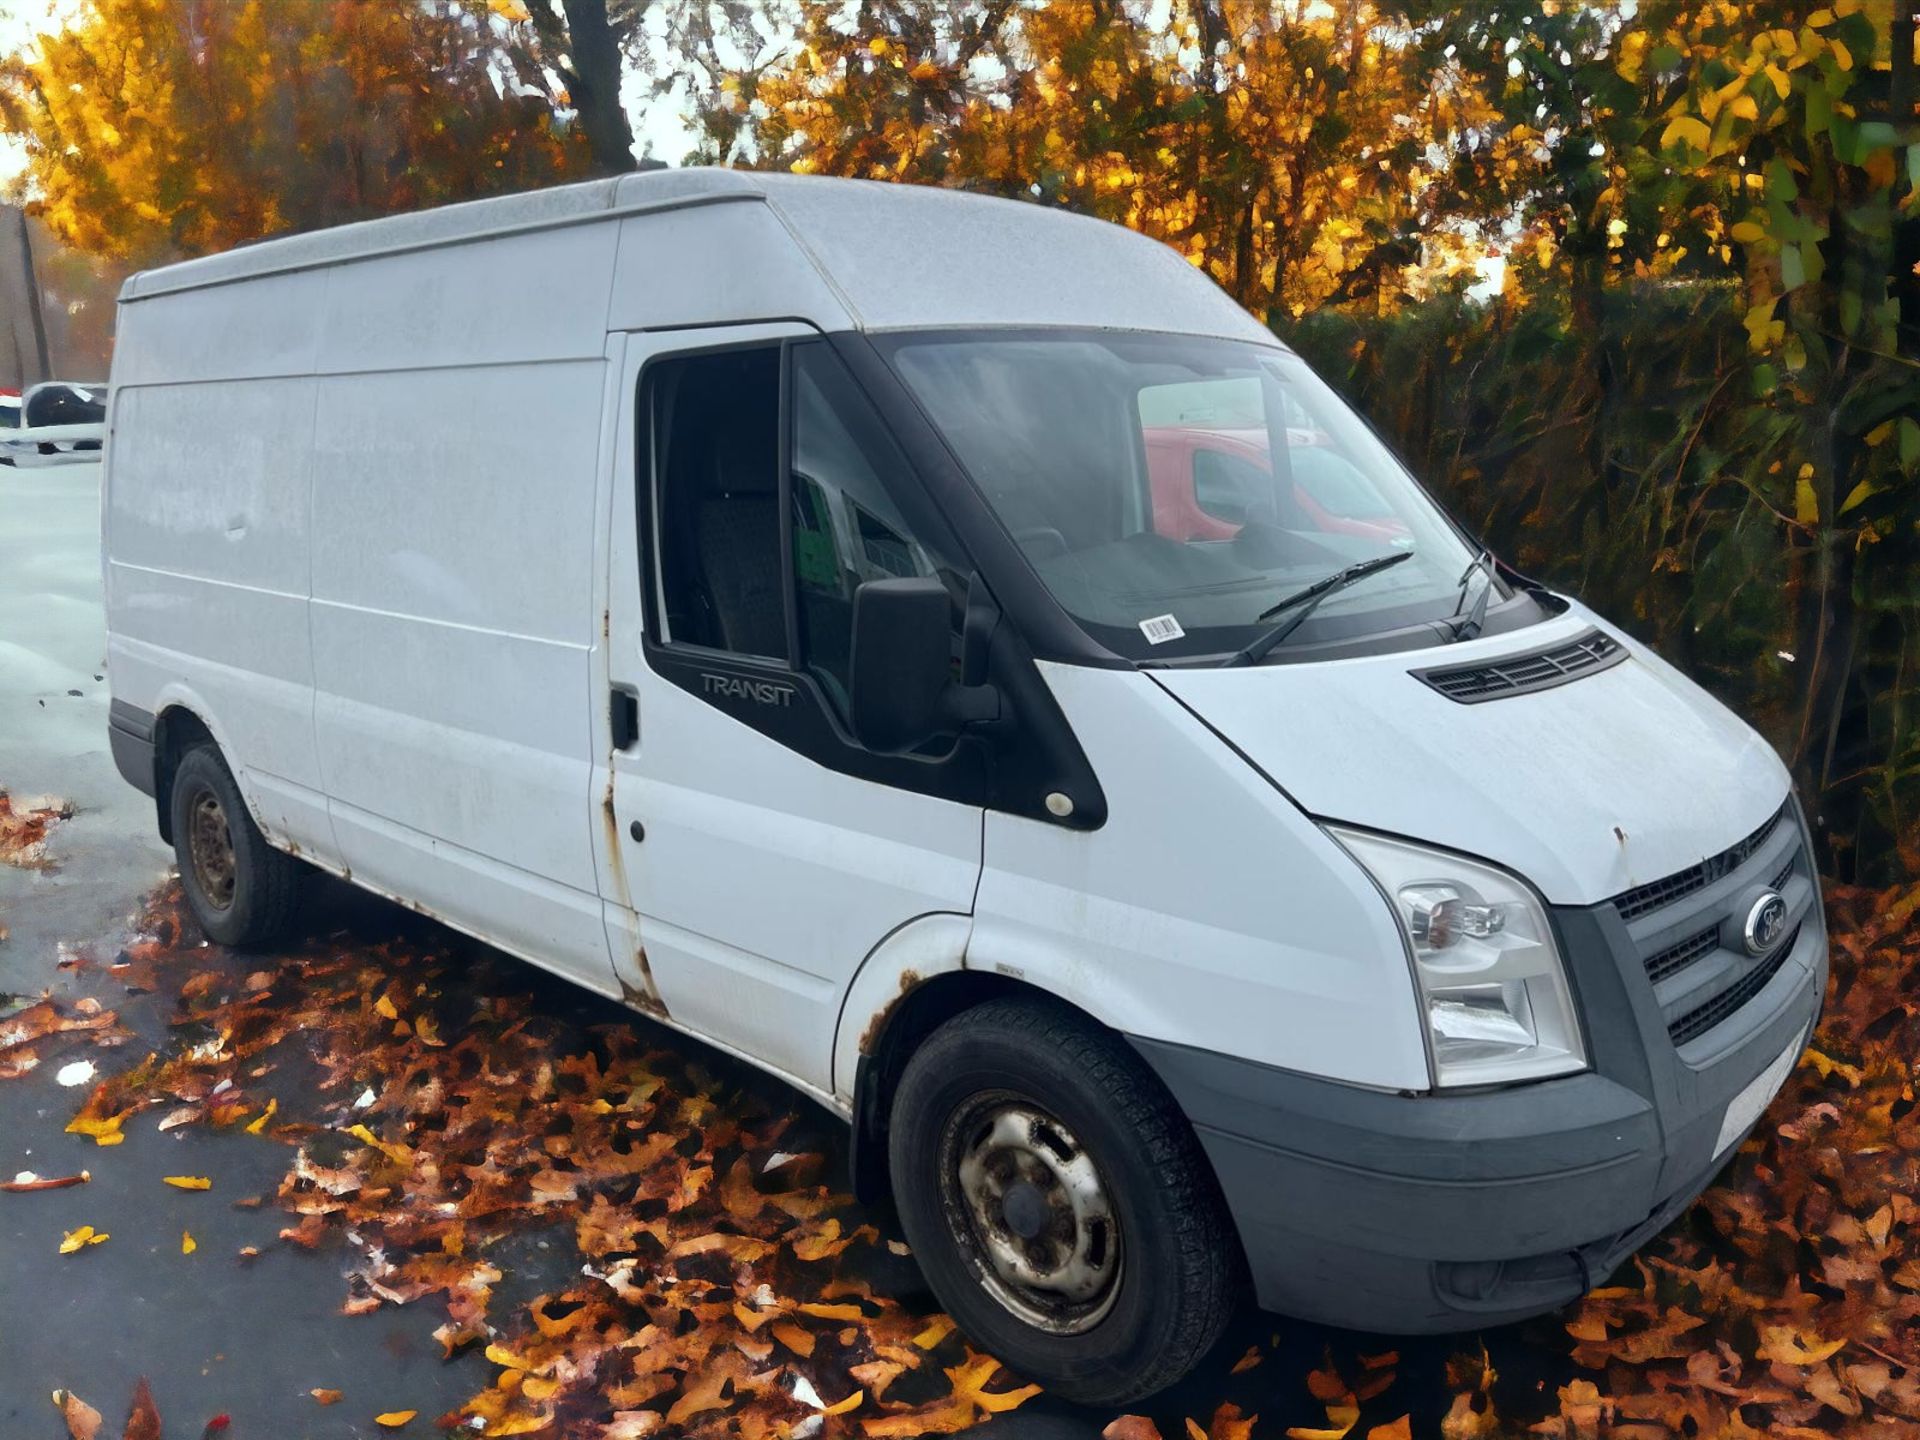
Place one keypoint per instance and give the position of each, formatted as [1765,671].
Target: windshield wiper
[1477,617]
[1308,600]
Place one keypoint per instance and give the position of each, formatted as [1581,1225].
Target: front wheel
[240,889]
[1059,1203]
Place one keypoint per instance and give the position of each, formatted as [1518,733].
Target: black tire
[1176,1280]
[250,899]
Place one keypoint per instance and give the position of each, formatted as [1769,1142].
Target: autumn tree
[1291,149]
[161,128]
[574,52]
[1768,153]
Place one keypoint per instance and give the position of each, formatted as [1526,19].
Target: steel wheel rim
[210,845]
[1030,1211]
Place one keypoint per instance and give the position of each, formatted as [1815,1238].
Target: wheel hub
[210,844]
[1031,1212]
[1024,1209]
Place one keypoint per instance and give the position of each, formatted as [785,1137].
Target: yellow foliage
[147,139]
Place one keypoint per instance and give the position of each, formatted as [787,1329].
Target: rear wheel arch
[176,730]
[241,890]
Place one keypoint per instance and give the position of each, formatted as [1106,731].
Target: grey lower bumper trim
[130,736]
[1427,1213]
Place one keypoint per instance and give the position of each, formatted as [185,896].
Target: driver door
[755,853]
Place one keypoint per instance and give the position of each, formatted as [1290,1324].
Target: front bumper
[1424,1213]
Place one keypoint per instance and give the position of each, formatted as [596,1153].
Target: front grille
[1521,674]
[1675,958]
[1704,1017]
[1645,899]
[1676,925]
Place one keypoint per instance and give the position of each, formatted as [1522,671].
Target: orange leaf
[937,1330]
[1779,1342]
[104,1131]
[325,1397]
[793,1337]
[1340,1419]
[1326,1386]
[841,1407]
[832,1312]
[143,1420]
[943,1417]
[394,1419]
[83,1421]
[187,1182]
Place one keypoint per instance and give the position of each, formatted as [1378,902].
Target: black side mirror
[901,687]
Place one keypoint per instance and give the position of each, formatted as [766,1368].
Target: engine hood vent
[1522,674]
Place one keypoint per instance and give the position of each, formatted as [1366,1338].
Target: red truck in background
[1200,477]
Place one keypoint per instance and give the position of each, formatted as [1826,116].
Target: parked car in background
[1209,483]
[61,422]
[9,421]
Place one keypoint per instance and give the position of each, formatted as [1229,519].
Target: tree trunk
[27,341]
[595,86]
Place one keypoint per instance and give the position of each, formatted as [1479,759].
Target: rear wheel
[1059,1203]
[241,890]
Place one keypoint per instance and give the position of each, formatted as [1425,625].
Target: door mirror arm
[901,687]
[976,633]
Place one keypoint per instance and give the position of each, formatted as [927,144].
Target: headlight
[1494,989]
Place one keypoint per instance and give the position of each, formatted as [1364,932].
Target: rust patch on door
[616,861]
[644,997]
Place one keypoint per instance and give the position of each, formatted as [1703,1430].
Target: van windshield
[1169,489]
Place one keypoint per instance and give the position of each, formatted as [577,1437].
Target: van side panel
[250,330]
[455,455]
[206,519]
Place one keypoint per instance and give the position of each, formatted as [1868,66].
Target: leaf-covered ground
[23,830]
[432,1110]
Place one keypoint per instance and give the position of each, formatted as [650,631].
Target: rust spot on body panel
[876,1027]
[644,997]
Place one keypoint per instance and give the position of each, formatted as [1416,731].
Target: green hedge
[1614,450]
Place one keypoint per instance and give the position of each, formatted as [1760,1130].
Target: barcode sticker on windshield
[1160,629]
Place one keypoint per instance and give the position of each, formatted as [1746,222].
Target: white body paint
[327,536]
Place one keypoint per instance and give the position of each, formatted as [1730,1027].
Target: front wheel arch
[1168,1292]
[883,1060]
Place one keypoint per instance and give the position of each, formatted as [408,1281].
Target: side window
[716,424]
[846,530]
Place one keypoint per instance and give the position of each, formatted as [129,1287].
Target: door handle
[623,717]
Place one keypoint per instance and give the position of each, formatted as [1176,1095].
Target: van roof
[893,255]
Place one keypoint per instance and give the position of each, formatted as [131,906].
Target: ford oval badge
[1766,923]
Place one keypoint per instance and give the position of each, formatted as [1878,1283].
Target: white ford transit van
[943,651]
